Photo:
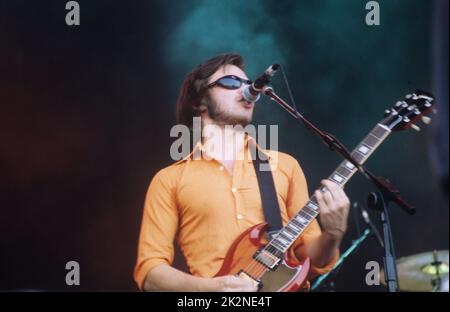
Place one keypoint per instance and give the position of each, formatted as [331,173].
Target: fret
[300,220]
[379,132]
[357,156]
[297,224]
[308,210]
[371,140]
[349,165]
[296,228]
[364,149]
[282,242]
[288,234]
[282,234]
[313,204]
[336,177]
[308,216]
[289,228]
[344,171]
[277,243]
[274,243]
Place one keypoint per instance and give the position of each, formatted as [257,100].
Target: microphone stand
[388,191]
[378,201]
[353,247]
[335,145]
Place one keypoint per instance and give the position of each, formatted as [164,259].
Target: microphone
[252,93]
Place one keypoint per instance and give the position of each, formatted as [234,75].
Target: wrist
[206,284]
[334,235]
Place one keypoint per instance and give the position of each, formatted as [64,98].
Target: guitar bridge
[244,275]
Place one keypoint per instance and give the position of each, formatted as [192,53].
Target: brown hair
[194,88]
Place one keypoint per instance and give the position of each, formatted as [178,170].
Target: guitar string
[255,268]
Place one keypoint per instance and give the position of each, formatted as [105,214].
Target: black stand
[377,201]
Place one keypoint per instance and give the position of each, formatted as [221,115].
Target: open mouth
[248,104]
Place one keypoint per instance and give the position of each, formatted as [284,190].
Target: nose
[243,85]
[241,90]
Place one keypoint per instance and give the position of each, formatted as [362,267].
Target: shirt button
[233,190]
[221,168]
[240,217]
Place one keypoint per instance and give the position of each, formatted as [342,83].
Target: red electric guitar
[267,265]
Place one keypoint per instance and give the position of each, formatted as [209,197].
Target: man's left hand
[334,207]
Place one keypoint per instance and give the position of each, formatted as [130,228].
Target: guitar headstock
[404,113]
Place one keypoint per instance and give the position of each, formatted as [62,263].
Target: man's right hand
[230,283]
[166,278]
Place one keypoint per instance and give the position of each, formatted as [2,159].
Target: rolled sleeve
[158,228]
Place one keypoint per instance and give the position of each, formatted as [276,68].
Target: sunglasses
[229,82]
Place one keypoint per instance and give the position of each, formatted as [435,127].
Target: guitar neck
[294,228]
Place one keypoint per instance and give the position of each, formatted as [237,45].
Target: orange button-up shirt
[198,203]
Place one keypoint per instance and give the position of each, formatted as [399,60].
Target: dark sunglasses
[230,82]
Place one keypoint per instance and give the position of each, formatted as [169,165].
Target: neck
[222,142]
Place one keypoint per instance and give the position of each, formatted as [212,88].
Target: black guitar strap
[267,190]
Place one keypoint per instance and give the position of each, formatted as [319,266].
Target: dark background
[86,113]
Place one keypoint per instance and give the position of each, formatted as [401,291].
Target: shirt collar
[199,149]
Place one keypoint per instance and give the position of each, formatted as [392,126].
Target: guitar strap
[267,190]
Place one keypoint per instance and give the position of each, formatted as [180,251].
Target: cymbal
[420,272]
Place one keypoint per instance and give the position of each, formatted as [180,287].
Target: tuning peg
[408,96]
[406,119]
[428,98]
[404,104]
[415,127]
[417,112]
[426,120]
[399,103]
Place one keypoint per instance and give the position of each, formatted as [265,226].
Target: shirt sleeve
[158,228]
[297,198]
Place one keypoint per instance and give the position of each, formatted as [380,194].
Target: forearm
[323,249]
[166,278]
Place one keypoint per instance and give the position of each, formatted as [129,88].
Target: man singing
[205,203]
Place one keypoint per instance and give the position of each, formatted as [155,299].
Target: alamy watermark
[222,141]
[373,16]
[73,16]
[73,276]
[373,276]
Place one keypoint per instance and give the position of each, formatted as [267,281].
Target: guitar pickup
[268,259]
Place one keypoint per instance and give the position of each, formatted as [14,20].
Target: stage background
[86,113]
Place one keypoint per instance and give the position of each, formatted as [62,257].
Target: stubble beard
[223,118]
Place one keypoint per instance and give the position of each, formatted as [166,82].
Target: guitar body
[286,277]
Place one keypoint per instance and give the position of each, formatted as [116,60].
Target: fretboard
[294,228]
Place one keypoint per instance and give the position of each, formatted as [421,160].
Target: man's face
[228,107]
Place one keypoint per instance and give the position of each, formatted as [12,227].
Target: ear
[203,106]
